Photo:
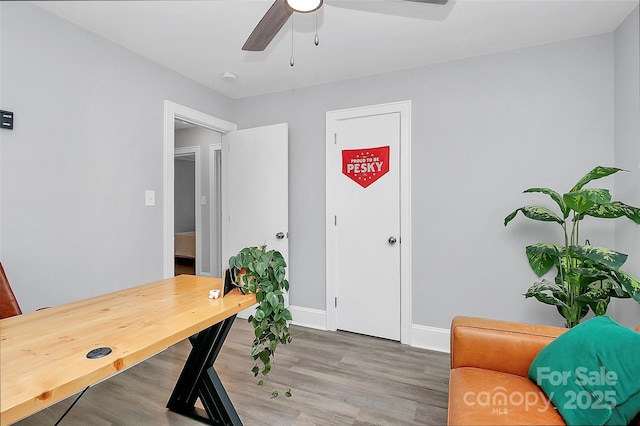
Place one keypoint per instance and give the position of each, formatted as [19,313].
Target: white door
[255,197]
[367,224]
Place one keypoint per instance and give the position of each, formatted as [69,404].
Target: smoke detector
[229,76]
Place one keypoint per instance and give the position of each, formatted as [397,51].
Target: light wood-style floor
[337,378]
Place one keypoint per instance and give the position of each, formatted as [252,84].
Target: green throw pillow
[591,373]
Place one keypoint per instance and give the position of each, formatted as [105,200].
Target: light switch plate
[150,198]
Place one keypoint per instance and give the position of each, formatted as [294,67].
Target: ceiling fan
[279,13]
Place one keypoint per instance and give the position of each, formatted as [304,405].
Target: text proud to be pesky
[365,165]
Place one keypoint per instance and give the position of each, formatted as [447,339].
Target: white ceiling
[203,39]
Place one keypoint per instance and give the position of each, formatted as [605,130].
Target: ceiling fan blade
[268,27]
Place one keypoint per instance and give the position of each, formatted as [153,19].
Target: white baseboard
[432,338]
[308,317]
[422,336]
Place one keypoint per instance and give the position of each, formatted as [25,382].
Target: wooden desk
[43,354]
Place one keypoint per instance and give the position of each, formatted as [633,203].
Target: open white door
[255,194]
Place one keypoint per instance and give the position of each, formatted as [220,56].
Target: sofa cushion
[485,397]
[517,342]
[591,373]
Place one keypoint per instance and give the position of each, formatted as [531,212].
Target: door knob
[392,240]
[280,235]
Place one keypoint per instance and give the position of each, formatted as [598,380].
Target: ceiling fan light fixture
[304,6]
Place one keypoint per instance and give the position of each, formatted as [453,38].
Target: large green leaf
[610,283]
[286,314]
[259,315]
[596,173]
[591,277]
[538,290]
[582,200]
[536,213]
[600,255]
[630,283]
[617,289]
[279,274]
[260,268]
[554,196]
[545,285]
[542,257]
[594,295]
[614,210]
[273,300]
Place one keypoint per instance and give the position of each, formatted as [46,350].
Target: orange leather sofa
[488,382]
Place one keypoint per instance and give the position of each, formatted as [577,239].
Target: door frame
[215,208]
[173,111]
[195,152]
[404,109]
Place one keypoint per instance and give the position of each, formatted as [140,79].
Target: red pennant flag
[366,165]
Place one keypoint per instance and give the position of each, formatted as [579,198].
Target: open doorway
[197,210]
[185,208]
[269,145]
[176,113]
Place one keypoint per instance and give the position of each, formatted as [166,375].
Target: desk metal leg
[199,380]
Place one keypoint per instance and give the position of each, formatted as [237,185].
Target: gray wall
[484,129]
[87,143]
[627,149]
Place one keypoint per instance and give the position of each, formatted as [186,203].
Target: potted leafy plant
[587,277]
[262,272]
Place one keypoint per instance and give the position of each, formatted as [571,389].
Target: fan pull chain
[316,40]
[291,61]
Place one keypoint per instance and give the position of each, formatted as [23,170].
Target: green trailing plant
[587,277]
[262,272]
